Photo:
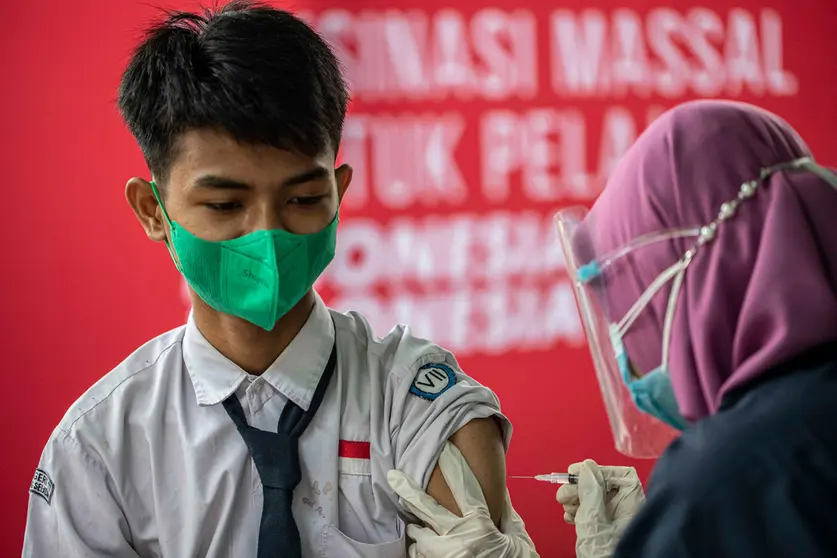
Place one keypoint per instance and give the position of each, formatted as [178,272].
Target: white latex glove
[473,535]
[600,510]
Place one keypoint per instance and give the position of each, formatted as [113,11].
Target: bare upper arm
[481,444]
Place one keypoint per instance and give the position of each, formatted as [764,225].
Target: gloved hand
[473,535]
[600,510]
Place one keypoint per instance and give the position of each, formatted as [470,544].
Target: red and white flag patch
[354,457]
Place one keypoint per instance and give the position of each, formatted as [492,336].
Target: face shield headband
[641,407]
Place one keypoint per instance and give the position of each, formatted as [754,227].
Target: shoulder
[698,479]
[402,357]
[124,388]
[778,427]
[419,381]
[722,457]
[755,456]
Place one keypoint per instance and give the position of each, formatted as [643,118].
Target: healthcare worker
[266,425]
[706,277]
[707,282]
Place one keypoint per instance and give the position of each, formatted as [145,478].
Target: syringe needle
[566,478]
[554,478]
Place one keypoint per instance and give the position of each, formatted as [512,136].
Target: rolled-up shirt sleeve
[73,510]
[430,400]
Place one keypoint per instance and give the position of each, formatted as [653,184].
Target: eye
[223,206]
[306,200]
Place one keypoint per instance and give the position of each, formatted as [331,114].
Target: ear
[343,176]
[141,198]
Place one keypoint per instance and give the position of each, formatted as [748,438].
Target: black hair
[258,73]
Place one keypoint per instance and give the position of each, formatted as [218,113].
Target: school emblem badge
[433,379]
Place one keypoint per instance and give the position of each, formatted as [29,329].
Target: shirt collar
[295,373]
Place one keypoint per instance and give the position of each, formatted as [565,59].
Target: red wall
[448,226]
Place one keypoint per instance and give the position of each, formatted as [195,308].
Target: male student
[266,425]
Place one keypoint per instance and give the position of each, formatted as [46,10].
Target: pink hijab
[764,291]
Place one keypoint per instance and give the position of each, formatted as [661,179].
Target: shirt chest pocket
[367,517]
[340,544]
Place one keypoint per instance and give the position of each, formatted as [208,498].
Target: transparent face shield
[636,433]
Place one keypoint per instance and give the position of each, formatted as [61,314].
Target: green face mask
[258,277]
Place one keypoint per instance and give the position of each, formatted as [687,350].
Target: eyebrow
[223,183]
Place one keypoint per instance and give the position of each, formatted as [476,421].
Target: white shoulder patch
[433,379]
[42,485]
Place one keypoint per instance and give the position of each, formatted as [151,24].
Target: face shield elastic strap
[677,272]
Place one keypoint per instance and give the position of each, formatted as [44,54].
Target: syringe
[566,478]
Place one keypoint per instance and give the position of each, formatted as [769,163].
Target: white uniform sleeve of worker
[72,507]
[604,509]
[447,535]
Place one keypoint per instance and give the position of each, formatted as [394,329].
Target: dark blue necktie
[276,455]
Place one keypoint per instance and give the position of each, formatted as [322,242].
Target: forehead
[209,151]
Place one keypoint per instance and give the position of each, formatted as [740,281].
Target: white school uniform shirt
[148,463]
